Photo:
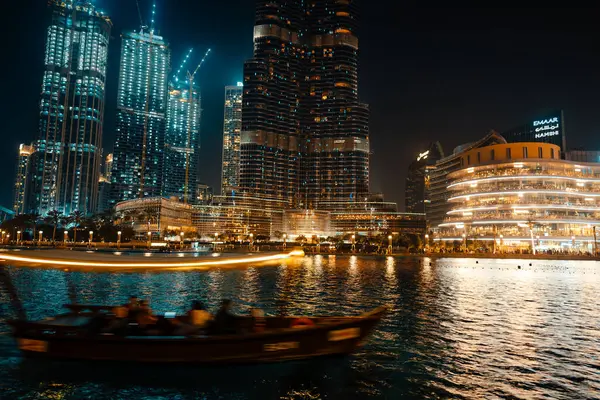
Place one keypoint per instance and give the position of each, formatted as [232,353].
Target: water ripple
[456,329]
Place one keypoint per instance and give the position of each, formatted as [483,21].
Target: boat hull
[280,345]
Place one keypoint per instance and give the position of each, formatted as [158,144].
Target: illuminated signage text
[546,121]
[423,155]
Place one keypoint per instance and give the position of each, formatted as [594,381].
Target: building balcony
[522,220]
[479,191]
[568,172]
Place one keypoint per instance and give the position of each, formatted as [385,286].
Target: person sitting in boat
[259,322]
[123,316]
[126,309]
[145,320]
[225,322]
[197,319]
[198,316]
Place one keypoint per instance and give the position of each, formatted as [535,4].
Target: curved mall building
[522,196]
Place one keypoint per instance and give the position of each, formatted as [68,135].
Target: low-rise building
[157,215]
[521,196]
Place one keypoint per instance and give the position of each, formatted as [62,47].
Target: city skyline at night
[331,199]
[456,115]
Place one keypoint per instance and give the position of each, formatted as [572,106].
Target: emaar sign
[546,121]
[548,128]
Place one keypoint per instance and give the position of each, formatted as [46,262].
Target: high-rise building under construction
[138,156]
[305,134]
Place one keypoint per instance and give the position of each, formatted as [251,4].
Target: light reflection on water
[457,328]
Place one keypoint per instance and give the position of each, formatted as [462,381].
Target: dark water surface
[457,329]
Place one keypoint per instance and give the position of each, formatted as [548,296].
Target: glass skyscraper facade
[182,141]
[232,128]
[305,135]
[138,156]
[65,166]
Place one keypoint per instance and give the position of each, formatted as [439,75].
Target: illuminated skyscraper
[25,152]
[271,115]
[182,141]
[417,195]
[336,129]
[104,185]
[108,165]
[232,127]
[65,166]
[141,117]
[305,135]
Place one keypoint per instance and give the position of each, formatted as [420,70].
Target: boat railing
[79,308]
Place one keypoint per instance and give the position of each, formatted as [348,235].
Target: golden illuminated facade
[304,132]
[522,196]
[25,153]
[157,215]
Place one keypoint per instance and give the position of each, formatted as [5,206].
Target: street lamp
[18,237]
[65,236]
[464,235]
[284,240]
[91,238]
[149,240]
[118,240]
[353,243]
[251,241]
[426,242]
[40,237]
[390,248]
[3,233]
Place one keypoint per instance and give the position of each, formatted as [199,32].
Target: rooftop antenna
[185,60]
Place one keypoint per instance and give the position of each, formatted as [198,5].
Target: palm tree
[111,215]
[76,218]
[53,218]
[32,220]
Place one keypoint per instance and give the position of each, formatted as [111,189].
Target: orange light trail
[192,264]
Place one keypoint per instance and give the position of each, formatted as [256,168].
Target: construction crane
[190,77]
[185,60]
[142,25]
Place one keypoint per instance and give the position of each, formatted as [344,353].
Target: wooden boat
[67,336]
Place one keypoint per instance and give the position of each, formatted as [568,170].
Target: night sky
[447,74]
